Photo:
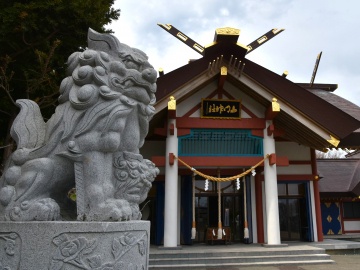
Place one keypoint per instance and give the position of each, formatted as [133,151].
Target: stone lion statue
[91,142]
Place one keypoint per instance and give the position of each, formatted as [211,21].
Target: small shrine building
[235,144]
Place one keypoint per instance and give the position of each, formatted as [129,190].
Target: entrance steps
[237,255]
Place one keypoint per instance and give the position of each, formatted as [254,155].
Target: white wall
[183,107]
[352,225]
[293,151]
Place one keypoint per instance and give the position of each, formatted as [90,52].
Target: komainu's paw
[110,210]
[45,209]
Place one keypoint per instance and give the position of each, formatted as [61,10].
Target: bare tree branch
[6,146]
[31,45]
[5,78]
[1,111]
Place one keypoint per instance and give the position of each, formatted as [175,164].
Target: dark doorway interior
[206,210]
[292,212]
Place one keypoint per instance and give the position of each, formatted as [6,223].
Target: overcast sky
[311,26]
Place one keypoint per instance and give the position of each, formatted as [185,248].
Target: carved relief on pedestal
[115,251]
[10,248]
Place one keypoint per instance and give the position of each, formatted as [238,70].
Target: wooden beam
[293,177]
[222,79]
[171,114]
[264,38]
[172,129]
[171,158]
[160,132]
[214,161]
[272,159]
[270,130]
[183,131]
[183,38]
[246,123]
[257,132]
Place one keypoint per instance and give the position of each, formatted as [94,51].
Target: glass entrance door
[206,209]
[292,211]
[289,213]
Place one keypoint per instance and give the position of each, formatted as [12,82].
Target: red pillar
[259,209]
[317,198]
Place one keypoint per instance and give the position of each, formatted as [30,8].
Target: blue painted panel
[220,142]
[330,215]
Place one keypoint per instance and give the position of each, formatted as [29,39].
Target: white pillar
[171,189]
[271,193]
[179,210]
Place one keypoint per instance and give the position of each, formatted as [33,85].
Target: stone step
[228,253]
[224,265]
[208,260]
[235,256]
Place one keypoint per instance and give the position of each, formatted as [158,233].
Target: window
[351,209]
[291,189]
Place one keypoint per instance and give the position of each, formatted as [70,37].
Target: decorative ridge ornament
[227,34]
[227,31]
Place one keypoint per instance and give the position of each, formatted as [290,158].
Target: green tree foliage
[36,38]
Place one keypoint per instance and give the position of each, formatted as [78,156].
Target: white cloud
[310,27]
[224,12]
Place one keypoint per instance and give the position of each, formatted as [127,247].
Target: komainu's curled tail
[28,129]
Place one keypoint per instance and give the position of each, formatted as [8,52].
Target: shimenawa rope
[219,179]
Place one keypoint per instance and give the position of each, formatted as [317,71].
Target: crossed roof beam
[225,32]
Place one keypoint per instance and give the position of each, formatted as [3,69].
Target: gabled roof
[305,117]
[340,177]
[325,92]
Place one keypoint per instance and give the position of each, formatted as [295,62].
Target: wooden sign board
[220,108]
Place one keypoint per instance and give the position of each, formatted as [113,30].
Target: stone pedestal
[74,245]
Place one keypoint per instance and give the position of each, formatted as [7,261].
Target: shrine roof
[322,108]
[339,176]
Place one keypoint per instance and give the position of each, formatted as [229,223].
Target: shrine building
[235,144]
